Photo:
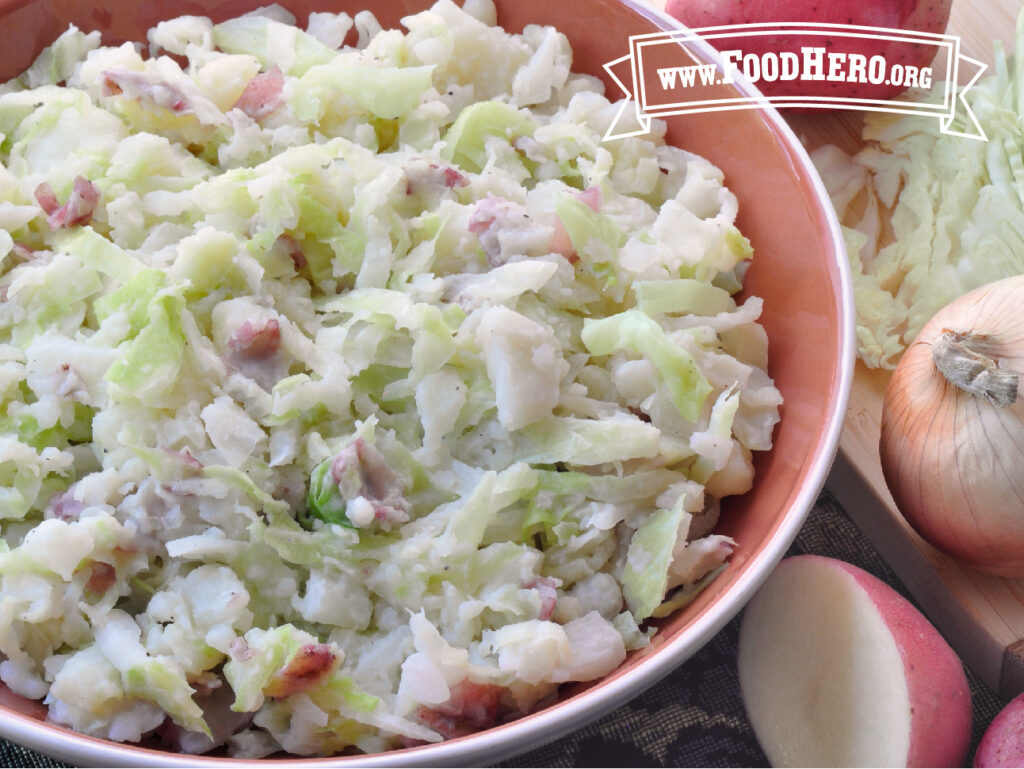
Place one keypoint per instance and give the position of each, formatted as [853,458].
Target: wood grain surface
[982,616]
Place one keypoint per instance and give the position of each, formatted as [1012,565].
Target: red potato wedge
[838,669]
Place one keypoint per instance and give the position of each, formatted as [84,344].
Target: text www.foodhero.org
[814,63]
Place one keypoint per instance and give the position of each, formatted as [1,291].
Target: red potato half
[838,669]
[1003,741]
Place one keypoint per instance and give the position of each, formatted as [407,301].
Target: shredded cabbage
[930,216]
[353,393]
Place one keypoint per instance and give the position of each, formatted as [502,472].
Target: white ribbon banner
[662,75]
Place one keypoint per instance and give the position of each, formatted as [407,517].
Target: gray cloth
[695,716]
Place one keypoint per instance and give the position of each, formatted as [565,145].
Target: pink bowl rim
[534,730]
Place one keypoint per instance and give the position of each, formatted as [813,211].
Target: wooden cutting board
[981,616]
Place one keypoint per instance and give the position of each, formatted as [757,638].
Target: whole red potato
[910,15]
[1003,741]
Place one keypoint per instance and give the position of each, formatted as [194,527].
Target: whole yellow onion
[952,444]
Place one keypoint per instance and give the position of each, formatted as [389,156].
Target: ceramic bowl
[799,269]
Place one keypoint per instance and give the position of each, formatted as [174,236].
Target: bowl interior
[797,269]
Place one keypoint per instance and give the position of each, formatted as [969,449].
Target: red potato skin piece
[452,178]
[548,591]
[78,209]
[561,243]
[256,341]
[46,198]
[160,95]
[310,665]
[472,707]
[63,506]
[262,94]
[941,721]
[295,252]
[102,577]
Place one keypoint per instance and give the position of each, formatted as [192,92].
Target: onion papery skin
[954,462]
